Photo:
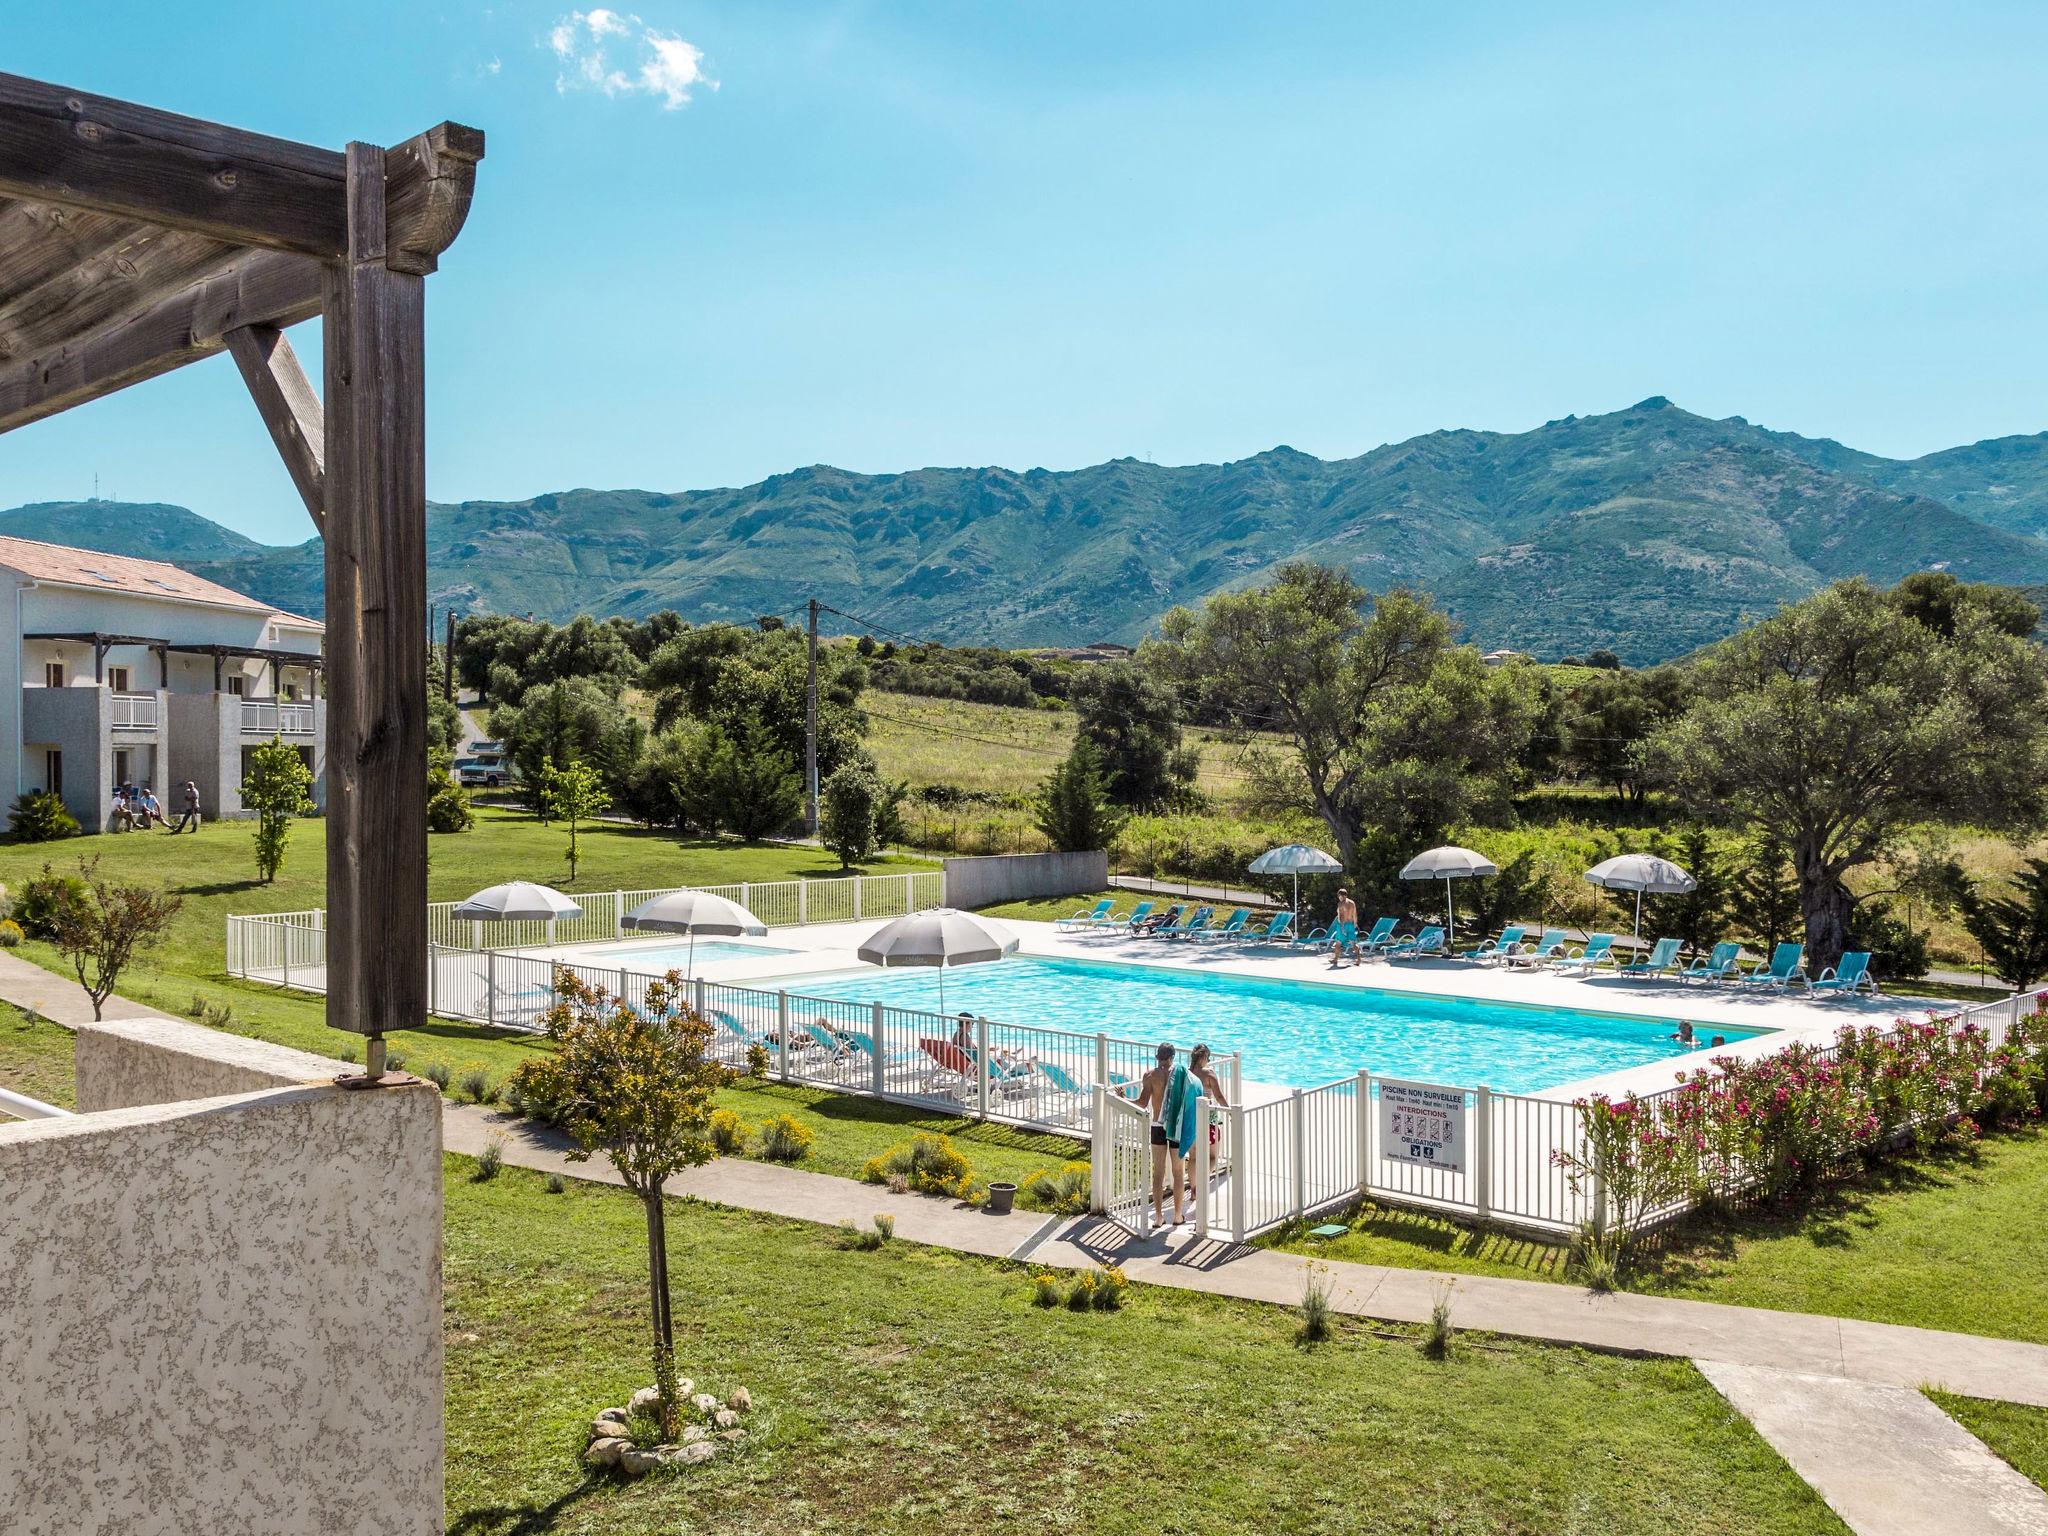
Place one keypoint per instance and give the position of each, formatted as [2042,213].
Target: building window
[53,674]
[124,766]
[237,683]
[117,679]
[291,690]
[53,771]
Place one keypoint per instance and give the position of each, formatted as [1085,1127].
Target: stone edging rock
[611,1432]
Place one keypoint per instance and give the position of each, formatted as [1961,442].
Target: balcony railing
[268,718]
[134,711]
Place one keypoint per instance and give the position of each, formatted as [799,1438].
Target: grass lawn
[2019,1434]
[914,1390]
[35,1058]
[1948,1241]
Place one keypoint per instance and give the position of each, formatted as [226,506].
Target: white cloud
[620,55]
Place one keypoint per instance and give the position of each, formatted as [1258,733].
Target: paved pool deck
[1783,1016]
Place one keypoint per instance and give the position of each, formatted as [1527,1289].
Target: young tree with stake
[100,932]
[277,788]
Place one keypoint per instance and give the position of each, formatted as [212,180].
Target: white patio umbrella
[1296,859]
[939,937]
[1447,864]
[517,901]
[693,912]
[1640,872]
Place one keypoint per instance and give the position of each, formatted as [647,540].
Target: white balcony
[270,717]
[134,711]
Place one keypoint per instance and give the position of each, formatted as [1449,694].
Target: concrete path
[1887,1460]
[59,999]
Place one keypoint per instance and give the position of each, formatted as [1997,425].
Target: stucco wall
[224,1315]
[983,882]
[125,1062]
[79,722]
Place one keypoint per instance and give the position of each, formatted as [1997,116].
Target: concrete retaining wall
[124,1062]
[223,1315]
[984,882]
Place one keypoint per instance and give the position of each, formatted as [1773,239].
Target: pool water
[659,959]
[1293,1033]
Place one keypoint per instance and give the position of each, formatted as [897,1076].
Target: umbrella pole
[1451,906]
[1639,919]
[692,962]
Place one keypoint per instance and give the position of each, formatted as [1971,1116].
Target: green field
[914,1390]
[35,1058]
[1947,1241]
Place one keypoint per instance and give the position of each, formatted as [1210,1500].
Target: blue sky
[715,241]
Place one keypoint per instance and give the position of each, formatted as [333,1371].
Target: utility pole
[811,726]
[448,656]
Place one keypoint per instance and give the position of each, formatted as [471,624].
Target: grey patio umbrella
[939,937]
[1640,872]
[517,901]
[1296,859]
[693,912]
[1447,864]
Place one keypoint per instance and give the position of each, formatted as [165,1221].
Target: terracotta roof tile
[124,573]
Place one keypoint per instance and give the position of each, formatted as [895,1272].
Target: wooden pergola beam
[290,409]
[256,288]
[113,157]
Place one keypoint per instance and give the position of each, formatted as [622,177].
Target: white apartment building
[133,671]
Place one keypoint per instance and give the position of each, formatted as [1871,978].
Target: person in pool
[1152,1099]
[1344,929]
[1685,1036]
[1716,1042]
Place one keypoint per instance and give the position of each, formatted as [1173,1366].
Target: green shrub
[1097,1290]
[785,1139]
[1045,1289]
[10,933]
[475,1084]
[927,1164]
[489,1161]
[1064,1191]
[436,1072]
[40,817]
[448,808]
[728,1132]
[1436,1337]
[868,1239]
[44,899]
[556,1184]
[757,1061]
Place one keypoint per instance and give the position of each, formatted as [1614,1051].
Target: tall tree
[574,793]
[850,804]
[1845,718]
[277,788]
[1396,731]
[1766,892]
[1133,724]
[639,1085]
[2013,930]
[1073,806]
[101,930]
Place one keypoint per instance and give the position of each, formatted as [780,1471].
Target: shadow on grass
[522,1519]
[849,1110]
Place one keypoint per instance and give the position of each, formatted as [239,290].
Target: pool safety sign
[1420,1123]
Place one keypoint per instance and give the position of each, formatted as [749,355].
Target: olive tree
[1396,731]
[1848,717]
[100,930]
[639,1085]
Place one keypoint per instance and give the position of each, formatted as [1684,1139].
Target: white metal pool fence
[290,948]
[1318,1148]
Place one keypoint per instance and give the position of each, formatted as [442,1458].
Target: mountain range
[1649,531]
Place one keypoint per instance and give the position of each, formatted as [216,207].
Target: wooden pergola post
[376,496]
[135,241]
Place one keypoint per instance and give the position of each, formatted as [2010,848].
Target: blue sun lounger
[1417,946]
[1599,951]
[1095,917]
[1662,961]
[1784,969]
[1850,976]
[1724,964]
[1496,949]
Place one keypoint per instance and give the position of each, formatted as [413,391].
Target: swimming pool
[1295,1033]
[658,959]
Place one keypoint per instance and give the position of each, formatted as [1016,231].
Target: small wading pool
[660,959]
[1293,1033]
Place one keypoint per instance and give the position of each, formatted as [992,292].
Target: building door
[53,770]
[53,674]
[236,683]
[117,679]
[124,763]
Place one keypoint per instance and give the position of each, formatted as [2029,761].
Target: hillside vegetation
[1648,531]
